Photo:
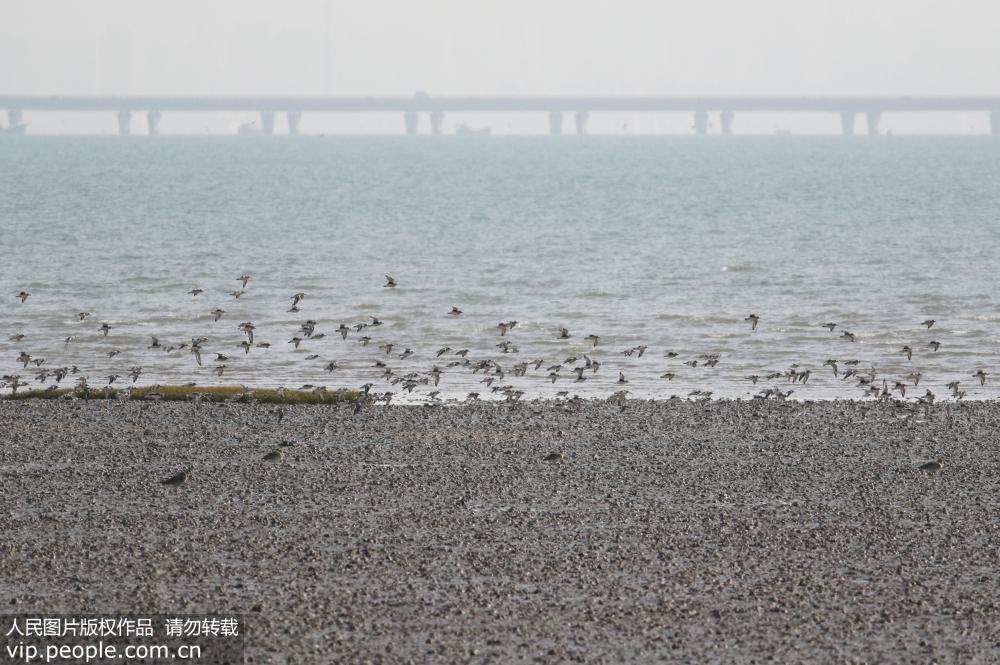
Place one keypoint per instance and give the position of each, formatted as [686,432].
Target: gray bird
[177,479]
[933,466]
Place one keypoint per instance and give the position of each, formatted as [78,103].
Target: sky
[482,47]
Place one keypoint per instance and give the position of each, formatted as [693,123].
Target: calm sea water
[666,242]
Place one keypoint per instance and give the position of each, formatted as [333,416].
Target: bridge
[555,107]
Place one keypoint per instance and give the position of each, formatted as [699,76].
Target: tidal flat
[657,531]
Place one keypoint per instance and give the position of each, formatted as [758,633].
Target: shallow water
[667,242]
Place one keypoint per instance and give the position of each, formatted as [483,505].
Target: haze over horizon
[385,47]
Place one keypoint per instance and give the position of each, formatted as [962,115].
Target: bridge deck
[833,104]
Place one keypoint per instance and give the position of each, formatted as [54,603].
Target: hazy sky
[499,46]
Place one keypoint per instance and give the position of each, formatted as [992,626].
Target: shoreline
[675,530]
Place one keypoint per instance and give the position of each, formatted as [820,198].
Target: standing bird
[932,466]
[563,333]
[177,479]
[753,319]
[390,282]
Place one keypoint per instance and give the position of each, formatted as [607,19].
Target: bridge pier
[847,122]
[267,122]
[700,122]
[410,120]
[581,118]
[995,122]
[437,122]
[726,122]
[294,120]
[124,122]
[873,118]
[153,122]
[555,123]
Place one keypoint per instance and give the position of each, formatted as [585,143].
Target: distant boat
[465,130]
[20,128]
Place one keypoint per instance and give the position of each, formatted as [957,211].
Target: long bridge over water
[412,108]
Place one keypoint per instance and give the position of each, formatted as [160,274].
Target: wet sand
[668,532]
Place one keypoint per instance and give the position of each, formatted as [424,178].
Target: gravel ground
[669,531]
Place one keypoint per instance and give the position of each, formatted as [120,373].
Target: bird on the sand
[933,466]
[554,457]
[274,455]
[177,479]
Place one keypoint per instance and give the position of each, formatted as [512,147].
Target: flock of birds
[494,373]
[577,368]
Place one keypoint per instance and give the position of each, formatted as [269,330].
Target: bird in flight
[390,282]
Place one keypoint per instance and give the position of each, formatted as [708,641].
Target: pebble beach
[549,531]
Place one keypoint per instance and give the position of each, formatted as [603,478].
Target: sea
[667,244]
